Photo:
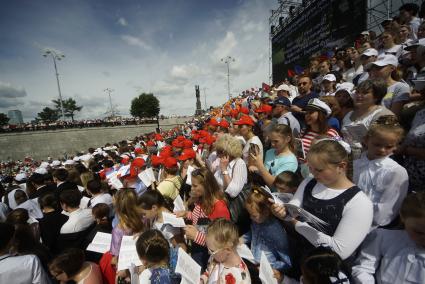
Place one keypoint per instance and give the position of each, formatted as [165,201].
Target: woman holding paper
[333,198]
[209,204]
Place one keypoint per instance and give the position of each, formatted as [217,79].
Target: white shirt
[245,152]
[390,256]
[385,182]
[239,176]
[33,208]
[352,228]
[101,198]
[78,221]
[22,269]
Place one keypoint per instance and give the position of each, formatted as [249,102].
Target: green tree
[145,105]
[69,107]
[4,120]
[48,115]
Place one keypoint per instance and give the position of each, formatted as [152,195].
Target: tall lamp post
[227,60]
[56,56]
[109,91]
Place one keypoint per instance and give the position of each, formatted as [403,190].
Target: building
[15,116]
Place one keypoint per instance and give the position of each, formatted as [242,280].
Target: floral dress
[217,273]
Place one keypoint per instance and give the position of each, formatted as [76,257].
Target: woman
[398,92]
[389,45]
[245,129]
[210,204]
[316,119]
[367,109]
[229,169]
[71,266]
[279,158]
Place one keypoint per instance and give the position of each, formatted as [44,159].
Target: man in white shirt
[281,111]
[94,187]
[79,219]
[408,14]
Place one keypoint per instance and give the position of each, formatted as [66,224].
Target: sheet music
[147,177]
[123,171]
[178,204]
[266,271]
[115,182]
[190,169]
[128,253]
[173,220]
[188,268]
[244,252]
[100,243]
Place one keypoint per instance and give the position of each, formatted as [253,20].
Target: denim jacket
[271,238]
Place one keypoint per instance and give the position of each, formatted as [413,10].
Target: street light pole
[59,56]
[228,60]
[109,91]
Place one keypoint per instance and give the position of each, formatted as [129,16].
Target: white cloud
[185,72]
[135,41]
[122,22]
[11,96]
[225,46]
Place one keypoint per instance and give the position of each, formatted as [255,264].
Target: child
[396,256]
[324,266]
[348,213]
[267,234]
[225,265]
[153,251]
[383,180]
[287,182]
[151,205]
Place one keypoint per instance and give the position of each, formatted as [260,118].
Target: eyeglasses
[212,253]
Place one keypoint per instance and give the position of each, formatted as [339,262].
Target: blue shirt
[277,164]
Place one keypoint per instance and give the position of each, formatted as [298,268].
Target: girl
[348,213]
[367,109]
[71,266]
[153,251]
[383,180]
[210,204]
[396,256]
[287,182]
[398,91]
[225,264]
[316,120]
[279,158]
[267,234]
[170,185]
[245,129]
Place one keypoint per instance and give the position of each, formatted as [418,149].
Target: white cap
[414,44]
[329,77]
[41,171]
[55,163]
[319,105]
[69,162]
[283,87]
[85,157]
[346,86]
[370,52]
[44,165]
[365,33]
[386,59]
[21,177]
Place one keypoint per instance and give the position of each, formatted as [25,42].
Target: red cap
[234,113]
[244,120]
[150,143]
[181,138]
[177,144]
[187,154]
[213,122]
[223,123]
[207,140]
[170,162]
[156,161]
[264,108]
[187,144]
[138,151]
[158,137]
[244,110]
[136,165]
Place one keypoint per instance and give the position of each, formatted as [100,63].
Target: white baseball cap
[319,105]
[21,177]
[370,52]
[329,77]
[386,59]
[283,87]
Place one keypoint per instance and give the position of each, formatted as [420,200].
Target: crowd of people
[320,176]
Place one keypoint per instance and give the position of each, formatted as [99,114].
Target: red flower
[230,279]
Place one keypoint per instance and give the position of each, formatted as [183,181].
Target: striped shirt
[310,135]
[220,210]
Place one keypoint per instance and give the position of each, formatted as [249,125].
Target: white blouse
[239,176]
[390,256]
[385,182]
[352,228]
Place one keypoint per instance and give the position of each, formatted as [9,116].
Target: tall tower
[198,101]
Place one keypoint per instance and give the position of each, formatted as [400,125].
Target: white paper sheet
[147,177]
[115,182]
[173,220]
[266,271]
[128,253]
[244,252]
[190,169]
[123,171]
[178,204]
[100,243]
[188,268]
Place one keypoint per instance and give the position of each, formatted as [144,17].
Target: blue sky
[164,47]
